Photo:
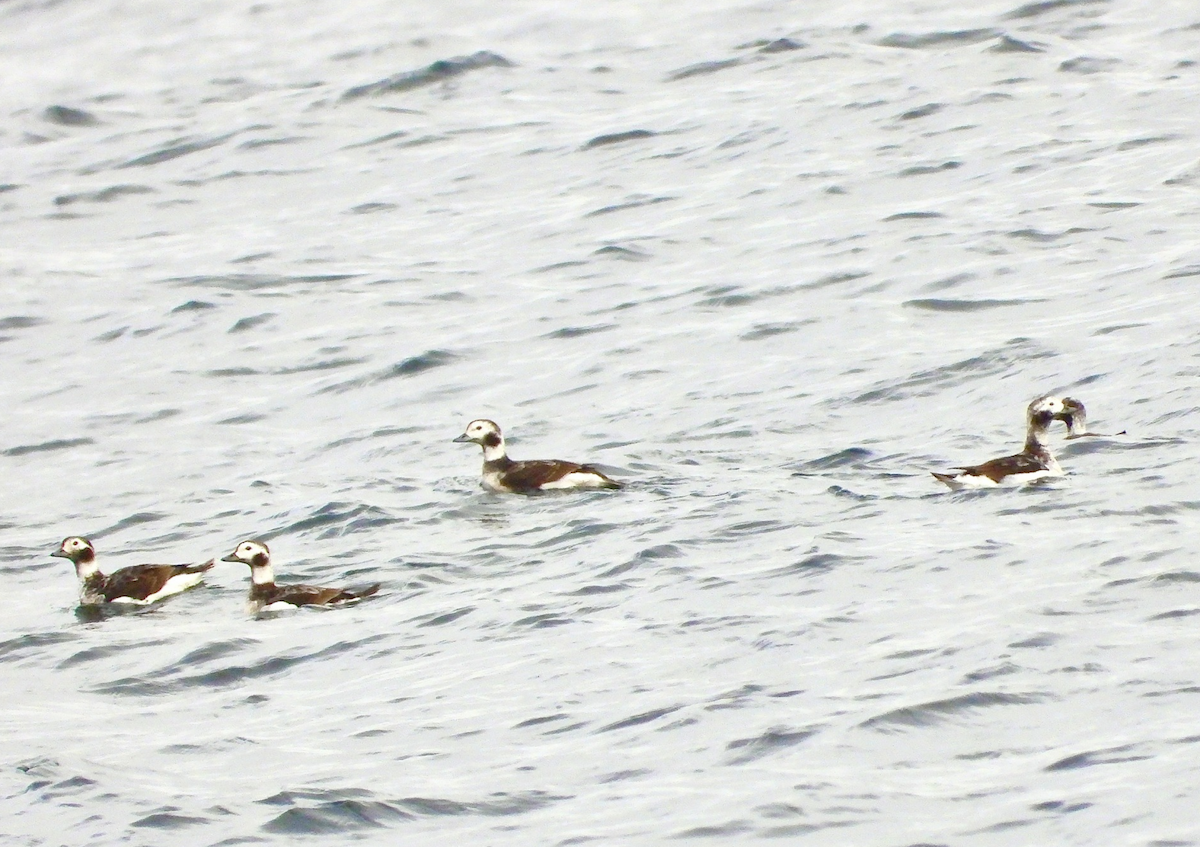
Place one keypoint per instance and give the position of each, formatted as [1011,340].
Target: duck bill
[462,439]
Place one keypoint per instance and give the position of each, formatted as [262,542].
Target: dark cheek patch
[260,559]
[491,440]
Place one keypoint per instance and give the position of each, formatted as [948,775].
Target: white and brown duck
[137,585]
[502,474]
[1075,417]
[1035,462]
[266,596]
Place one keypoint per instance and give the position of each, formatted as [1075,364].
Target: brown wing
[533,474]
[303,595]
[140,581]
[311,595]
[998,469]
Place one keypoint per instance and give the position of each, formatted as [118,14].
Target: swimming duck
[266,596]
[1034,462]
[1075,417]
[138,585]
[502,474]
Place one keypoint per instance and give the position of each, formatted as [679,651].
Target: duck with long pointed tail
[139,585]
[1035,462]
[501,474]
[266,596]
[1075,417]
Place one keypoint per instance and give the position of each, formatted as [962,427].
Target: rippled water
[769,263]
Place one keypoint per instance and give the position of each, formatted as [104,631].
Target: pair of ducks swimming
[1034,462]
[142,585]
[145,584]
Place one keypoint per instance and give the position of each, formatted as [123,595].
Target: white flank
[175,585]
[965,480]
[1026,478]
[280,606]
[576,479]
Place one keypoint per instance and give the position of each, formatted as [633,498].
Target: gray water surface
[769,264]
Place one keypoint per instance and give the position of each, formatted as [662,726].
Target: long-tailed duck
[502,474]
[266,596]
[1075,417]
[138,585]
[1033,463]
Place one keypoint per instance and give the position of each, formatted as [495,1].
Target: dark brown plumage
[305,595]
[141,581]
[136,584]
[1034,462]
[534,474]
[502,474]
[264,592]
[997,469]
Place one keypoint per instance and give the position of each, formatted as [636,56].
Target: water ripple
[937,711]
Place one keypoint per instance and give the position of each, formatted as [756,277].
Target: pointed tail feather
[949,479]
[200,568]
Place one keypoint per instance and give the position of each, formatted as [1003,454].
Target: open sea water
[769,263]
